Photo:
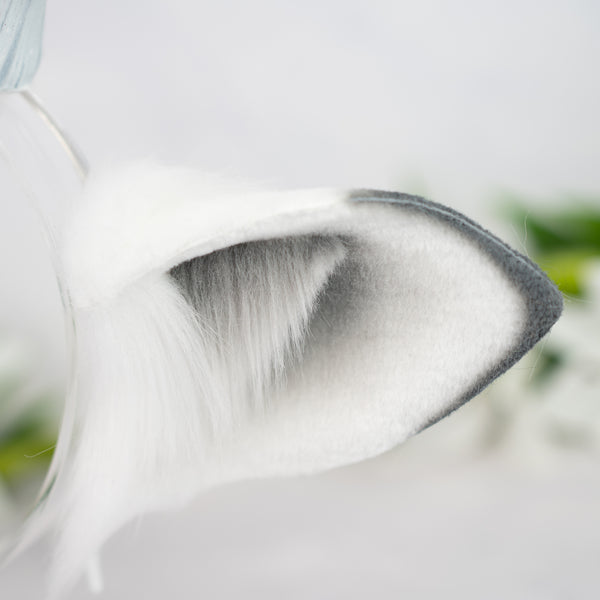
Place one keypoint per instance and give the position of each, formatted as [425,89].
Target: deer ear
[225,332]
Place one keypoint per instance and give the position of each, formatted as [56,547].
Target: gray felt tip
[543,300]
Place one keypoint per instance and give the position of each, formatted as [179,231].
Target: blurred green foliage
[27,438]
[563,242]
[26,449]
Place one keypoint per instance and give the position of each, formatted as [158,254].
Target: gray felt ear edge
[542,298]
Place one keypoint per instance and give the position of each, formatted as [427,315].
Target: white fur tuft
[167,371]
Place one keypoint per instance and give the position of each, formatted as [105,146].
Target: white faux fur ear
[226,333]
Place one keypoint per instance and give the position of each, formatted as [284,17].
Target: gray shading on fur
[542,298]
[254,301]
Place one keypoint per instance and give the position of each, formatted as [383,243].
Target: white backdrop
[456,100]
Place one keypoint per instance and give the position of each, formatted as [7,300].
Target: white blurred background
[459,101]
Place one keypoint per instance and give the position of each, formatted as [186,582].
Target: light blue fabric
[21,27]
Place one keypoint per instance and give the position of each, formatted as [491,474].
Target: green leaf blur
[563,242]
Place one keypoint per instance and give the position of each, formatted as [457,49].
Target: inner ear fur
[255,303]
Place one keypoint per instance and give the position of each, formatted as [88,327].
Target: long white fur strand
[167,371]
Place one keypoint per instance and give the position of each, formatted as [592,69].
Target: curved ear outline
[543,300]
[406,343]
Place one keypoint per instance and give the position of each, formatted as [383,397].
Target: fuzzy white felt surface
[226,332]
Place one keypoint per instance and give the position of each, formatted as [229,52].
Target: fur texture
[253,302]
[167,372]
[225,332]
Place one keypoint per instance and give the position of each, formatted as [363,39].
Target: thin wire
[74,154]
[40,452]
